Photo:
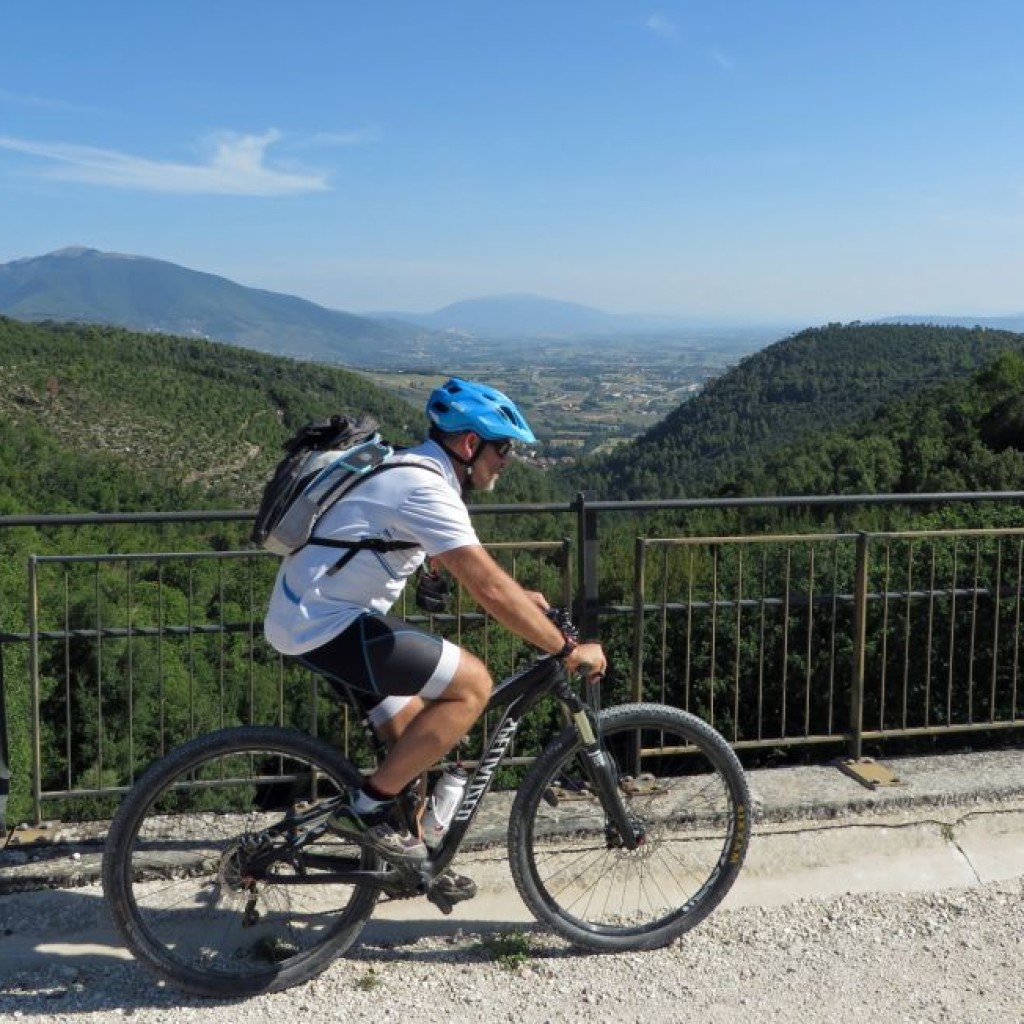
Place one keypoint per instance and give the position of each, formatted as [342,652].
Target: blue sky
[783,160]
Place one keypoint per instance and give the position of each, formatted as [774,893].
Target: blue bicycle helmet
[462,405]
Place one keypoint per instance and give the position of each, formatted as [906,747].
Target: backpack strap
[367,544]
[379,544]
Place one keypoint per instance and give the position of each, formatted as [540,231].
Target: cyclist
[429,691]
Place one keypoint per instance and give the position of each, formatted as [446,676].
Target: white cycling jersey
[308,606]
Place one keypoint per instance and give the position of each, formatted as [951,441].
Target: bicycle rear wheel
[686,791]
[203,894]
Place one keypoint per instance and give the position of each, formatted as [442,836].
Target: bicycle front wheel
[205,887]
[687,795]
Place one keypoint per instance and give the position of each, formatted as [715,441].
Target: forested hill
[102,419]
[960,435]
[811,383]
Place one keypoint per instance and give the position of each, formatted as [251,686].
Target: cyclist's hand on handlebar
[589,660]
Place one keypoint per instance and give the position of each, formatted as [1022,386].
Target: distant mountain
[81,285]
[86,286]
[533,316]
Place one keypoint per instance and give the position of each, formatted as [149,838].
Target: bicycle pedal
[441,901]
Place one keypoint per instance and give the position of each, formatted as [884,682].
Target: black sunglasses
[503,448]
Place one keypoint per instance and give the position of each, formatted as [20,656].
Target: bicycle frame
[518,694]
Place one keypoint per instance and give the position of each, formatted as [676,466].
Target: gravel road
[948,951]
[948,956]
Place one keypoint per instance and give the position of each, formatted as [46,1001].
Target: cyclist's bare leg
[424,731]
[454,886]
[390,730]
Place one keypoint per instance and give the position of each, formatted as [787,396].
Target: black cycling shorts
[384,656]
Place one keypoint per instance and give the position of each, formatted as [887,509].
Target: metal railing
[784,640]
[779,640]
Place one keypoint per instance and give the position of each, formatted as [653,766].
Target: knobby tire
[687,792]
[178,875]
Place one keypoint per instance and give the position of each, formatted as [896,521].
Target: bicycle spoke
[688,800]
[207,869]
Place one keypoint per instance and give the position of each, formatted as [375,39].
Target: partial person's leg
[432,692]
[422,737]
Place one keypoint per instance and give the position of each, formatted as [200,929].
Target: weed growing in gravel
[370,980]
[509,949]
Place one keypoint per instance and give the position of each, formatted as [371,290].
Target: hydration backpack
[323,462]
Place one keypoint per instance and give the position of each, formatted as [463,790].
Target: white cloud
[356,137]
[662,26]
[45,103]
[723,59]
[237,166]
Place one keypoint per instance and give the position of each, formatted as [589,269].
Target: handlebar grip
[584,669]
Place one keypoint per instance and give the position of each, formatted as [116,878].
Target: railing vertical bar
[929,648]
[190,650]
[663,618]
[99,674]
[883,669]
[973,632]
[688,658]
[951,649]
[1019,590]
[809,650]
[68,716]
[762,641]
[639,589]
[33,668]
[833,635]
[712,674]
[996,616]
[130,656]
[251,658]
[160,656]
[908,625]
[737,646]
[222,697]
[787,588]
[859,644]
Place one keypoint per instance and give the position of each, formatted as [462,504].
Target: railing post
[860,627]
[5,756]
[587,590]
[585,612]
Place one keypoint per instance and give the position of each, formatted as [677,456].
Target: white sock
[363,803]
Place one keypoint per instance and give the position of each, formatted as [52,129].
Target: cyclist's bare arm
[515,608]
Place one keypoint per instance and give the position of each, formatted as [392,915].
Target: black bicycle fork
[602,773]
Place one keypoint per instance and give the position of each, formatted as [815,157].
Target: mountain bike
[221,875]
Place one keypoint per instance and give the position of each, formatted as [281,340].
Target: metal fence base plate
[867,771]
[42,834]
